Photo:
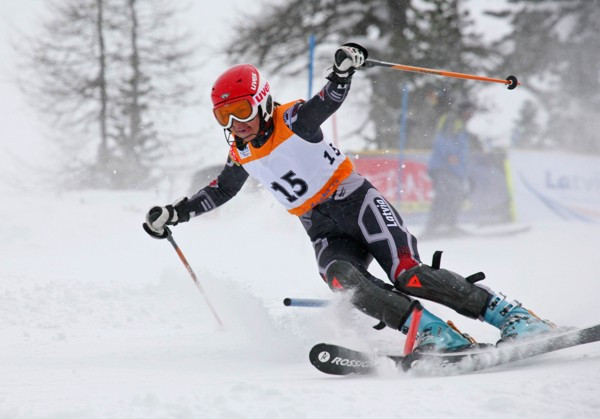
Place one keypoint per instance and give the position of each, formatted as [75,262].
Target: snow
[100,321]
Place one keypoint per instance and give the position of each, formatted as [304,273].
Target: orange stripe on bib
[279,135]
[342,172]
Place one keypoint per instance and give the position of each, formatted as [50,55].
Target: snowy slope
[100,321]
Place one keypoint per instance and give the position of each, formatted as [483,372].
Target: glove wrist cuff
[182,214]
[338,78]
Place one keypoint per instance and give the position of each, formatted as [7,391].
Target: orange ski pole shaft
[511,81]
[193,275]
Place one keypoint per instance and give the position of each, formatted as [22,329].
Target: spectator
[448,172]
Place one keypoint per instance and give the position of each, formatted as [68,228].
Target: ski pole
[511,81]
[193,275]
[305,302]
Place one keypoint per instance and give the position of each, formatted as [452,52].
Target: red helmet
[241,93]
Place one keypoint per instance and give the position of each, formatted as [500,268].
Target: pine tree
[108,75]
[529,132]
[556,47]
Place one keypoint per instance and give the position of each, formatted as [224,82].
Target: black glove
[346,60]
[158,218]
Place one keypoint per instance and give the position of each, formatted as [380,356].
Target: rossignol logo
[344,362]
[261,95]
[324,356]
[351,362]
[254,81]
[386,212]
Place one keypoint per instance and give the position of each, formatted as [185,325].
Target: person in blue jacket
[448,171]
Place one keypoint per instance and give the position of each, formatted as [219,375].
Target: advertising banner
[402,179]
[556,185]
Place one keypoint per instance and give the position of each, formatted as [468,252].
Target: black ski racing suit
[356,224]
[351,228]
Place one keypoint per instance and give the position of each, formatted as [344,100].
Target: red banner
[410,195]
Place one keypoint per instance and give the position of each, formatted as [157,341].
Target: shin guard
[371,295]
[444,287]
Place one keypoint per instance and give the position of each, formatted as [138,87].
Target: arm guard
[219,191]
[305,118]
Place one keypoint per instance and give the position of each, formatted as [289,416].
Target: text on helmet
[261,95]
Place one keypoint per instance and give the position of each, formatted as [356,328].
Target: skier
[347,219]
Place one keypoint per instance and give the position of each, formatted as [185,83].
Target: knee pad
[443,287]
[369,294]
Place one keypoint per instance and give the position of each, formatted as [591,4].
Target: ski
[338,360]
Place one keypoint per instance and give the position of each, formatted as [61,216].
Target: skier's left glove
[158,218]
[346,60]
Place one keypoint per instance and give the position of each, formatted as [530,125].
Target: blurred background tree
[111,76]
[527,129]
[555,48]
[428,33]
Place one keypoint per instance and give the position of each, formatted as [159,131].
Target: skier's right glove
[158,218]
[346,60]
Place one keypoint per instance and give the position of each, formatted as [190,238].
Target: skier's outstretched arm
[305,118]
[215,194]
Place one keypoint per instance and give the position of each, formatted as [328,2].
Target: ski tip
[337,360]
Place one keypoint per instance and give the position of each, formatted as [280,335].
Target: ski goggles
[241,110]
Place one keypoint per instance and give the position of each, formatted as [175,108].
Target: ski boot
[514,321]
[435,335]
